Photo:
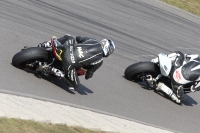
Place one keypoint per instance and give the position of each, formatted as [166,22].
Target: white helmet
[108,47]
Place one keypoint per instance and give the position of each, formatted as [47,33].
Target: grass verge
[26,126]
[192,6]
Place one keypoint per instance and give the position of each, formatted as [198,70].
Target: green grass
[192,6]
[27,126]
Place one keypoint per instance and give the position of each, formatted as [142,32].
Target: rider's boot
[57,72]
[180,93]
[61,75]
[71,88]
[66,81]
[46,44]
[162,87]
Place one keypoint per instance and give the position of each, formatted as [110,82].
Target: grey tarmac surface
[141,29]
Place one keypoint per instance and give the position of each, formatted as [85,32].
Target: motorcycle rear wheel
[29,55]
[135,71]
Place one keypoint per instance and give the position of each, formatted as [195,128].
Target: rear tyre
[29,55]
[136,71]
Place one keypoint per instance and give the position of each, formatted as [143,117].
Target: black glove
[195,87]
[41,45]
[88,74]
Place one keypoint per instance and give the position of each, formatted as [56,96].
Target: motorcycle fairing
[165,64]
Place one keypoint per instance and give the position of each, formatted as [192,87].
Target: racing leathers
[185,69]
[87,53]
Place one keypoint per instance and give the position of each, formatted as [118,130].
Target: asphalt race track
[141,29]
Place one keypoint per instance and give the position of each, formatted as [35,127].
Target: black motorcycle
[45,61]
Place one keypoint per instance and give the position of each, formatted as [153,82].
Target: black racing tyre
[135,71]
[30,54]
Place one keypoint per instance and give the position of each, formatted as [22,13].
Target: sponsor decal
[80,52]
[71,48]
[165,68]
[96,62]
[177,75]
[71,54]
[72,77]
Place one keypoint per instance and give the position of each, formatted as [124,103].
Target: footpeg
[149,79]
[25,47]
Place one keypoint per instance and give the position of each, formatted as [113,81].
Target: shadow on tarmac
[188,101]
[54,80]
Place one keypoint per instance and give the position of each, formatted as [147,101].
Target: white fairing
[165,64]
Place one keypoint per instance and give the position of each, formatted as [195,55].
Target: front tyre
[138,70]
[29,55]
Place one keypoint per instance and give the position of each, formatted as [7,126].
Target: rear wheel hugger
[32,53]
[132,71]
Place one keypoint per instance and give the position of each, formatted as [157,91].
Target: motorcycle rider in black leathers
[88,53]
[185,69]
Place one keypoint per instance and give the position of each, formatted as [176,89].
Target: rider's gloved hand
[189,57]
[195,87]
[88,74]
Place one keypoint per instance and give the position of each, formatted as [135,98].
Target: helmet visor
[111,47]
[105,46]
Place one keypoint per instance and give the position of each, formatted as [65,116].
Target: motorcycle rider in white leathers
[185,69]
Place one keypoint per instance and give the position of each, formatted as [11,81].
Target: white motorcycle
[156,74]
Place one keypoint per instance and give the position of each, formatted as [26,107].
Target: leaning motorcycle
[154,73]
[45,61]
